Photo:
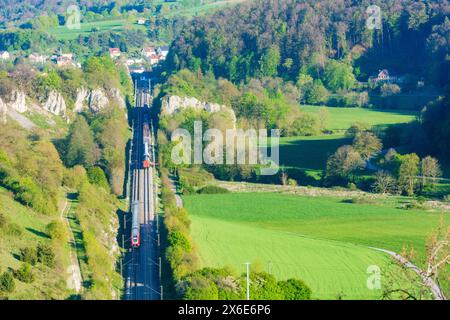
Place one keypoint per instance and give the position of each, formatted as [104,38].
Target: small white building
[36,58]
[114,53]
[148,51]
[141,21]
[4,55]
[163,51]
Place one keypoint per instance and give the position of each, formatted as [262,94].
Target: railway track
[143,281]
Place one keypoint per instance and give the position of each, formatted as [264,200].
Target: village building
[163,51]
[114,53]
[4,55]
[154,59]
[141,21]
[36,58]
[148,51]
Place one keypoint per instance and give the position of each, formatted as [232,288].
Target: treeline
[184,279]
[269,103]
[98,143]
[96,213]
[31,169]
[288,38]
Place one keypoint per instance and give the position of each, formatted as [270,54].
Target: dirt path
[75,279]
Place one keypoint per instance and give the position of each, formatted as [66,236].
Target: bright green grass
[329,268]
[64,33]
[49,283]
[305,236]
[343,118]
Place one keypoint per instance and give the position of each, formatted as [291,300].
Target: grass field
[311,153]
[64,33]
[49,283]
[321,240]
[342,118]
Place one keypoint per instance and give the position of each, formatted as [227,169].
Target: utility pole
[161,292]
[248,280]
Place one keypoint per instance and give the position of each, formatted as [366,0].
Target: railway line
[142,261]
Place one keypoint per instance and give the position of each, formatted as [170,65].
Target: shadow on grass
[38,233]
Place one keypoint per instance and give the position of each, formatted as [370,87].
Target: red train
[135,226]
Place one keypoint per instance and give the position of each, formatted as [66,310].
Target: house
[114,53]
[163,51]
[148,51]
[131,62]
[383,75]
[154,59]
[4,55]
[36,58]
[63,60]
[141,21]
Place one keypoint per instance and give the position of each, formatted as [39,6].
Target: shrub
[212,190]
[24,273]
[3,221]
[28,255]
[56,230]
[45,255]
[7,282]
[97,176]
[295,289]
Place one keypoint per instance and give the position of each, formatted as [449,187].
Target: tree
[339,76]
[45,255]
[97,176]
[56,230]
[316,93]
[430,170]
[367,144]
[81,148]
[29,255]
[24,273]
[343,163]
[295,289]
[7,282]
[407,173]
[356,128]
[270,61]
[384,182]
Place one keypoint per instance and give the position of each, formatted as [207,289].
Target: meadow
[311,153]
[29,229]
[322,240]
[64,33]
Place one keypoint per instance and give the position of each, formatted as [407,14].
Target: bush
[45,255]
[97,176]
[56,230]
[24,273]
[212,190]
[7,282]
[29,255]
[3,221]
[13,229]
[295,289]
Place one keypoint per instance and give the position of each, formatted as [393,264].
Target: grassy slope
[49,283]
[312,152]
[343,118]
[305,237]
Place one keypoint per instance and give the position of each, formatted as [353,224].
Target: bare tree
[430,170]
[367,144]
[404,280]
[384,183]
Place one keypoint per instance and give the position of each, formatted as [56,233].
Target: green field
[49,283]
[342,118]
[64,33]
[321,240]
[311,153]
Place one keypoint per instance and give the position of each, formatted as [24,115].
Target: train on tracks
[135,225]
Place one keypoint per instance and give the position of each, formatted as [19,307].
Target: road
[142,269]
